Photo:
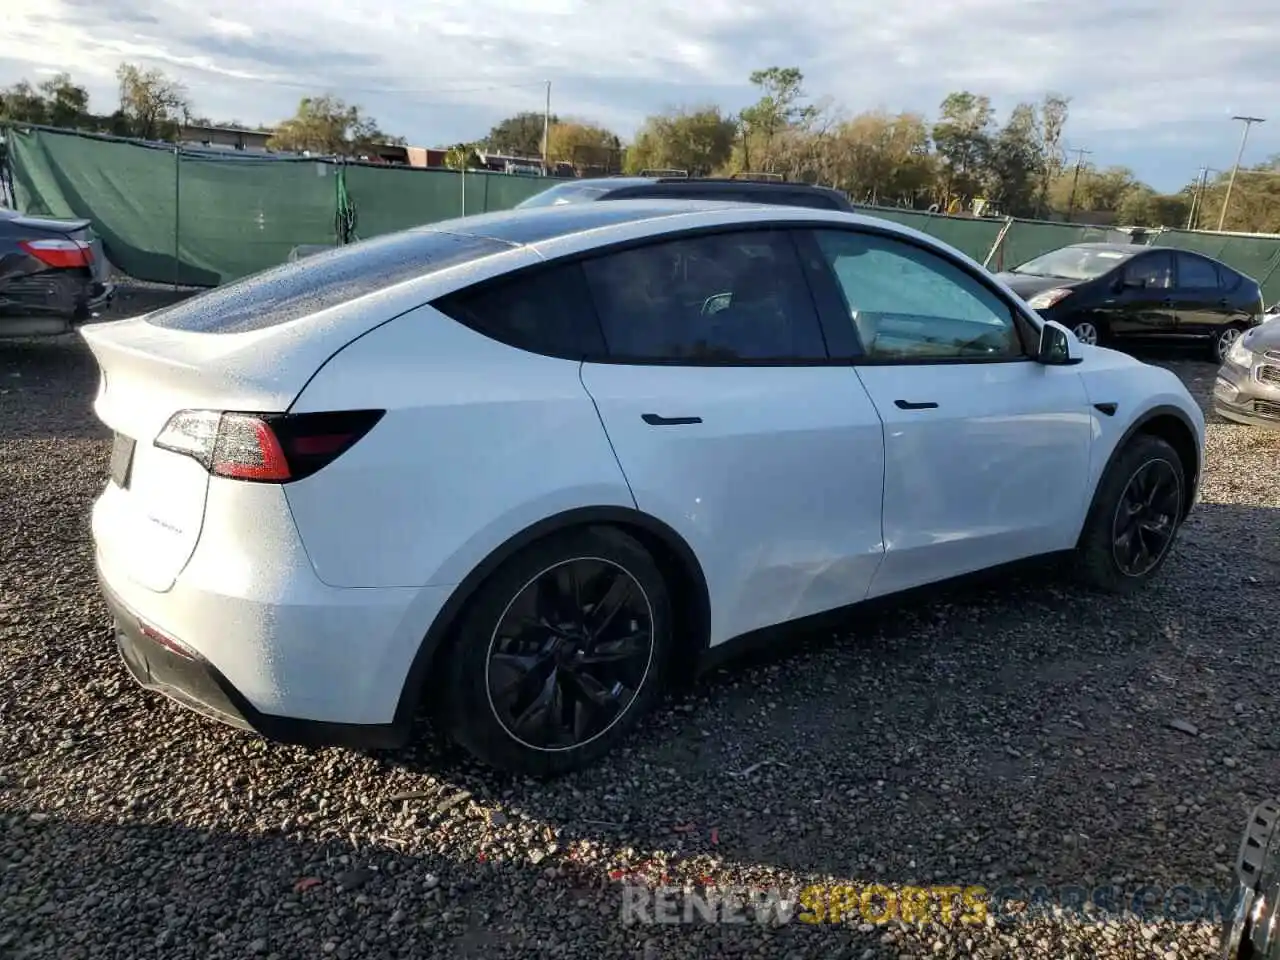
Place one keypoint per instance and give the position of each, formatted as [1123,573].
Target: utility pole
[546,134]
[1197,198]
[1248,122]
[1080,153]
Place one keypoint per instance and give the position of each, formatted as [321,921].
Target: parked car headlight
[1047,298]
[1240,355]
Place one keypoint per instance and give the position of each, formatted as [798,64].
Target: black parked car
[52,274]
[690,188]
[1114,291]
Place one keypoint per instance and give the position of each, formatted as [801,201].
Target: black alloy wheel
[1137,509]
[570,654]
[1146,517]
[559,653]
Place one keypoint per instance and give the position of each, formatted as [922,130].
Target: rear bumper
[51,302]
[265,644]
[195,683]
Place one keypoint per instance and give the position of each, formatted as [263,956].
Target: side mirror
[1129,283]
[1058,346]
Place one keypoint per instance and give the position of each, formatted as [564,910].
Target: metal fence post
[1008,223]
[177,215]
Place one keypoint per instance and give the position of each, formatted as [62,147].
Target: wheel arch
[689,594]
[1171,424]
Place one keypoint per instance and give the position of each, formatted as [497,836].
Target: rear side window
[717,298]
[1196,273]
[1230,279]
[325,280]
[545,311]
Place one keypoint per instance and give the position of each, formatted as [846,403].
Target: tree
[1015,163]
[777,110]
[67,103]
[151,104]
[880,157]
[1098,191]
[582,144]
[520,135]
[1143,207]
[327,125]
[1255,199]
[1053,121]
[698,140]
[22,103]
[462,156]
[962,137]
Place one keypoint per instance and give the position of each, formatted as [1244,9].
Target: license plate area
[122,460]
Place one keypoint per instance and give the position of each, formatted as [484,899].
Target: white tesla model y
[522,469]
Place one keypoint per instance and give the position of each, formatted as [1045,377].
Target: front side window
[727,297]
[1153,271]
[909,304]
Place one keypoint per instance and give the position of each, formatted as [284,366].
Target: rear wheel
[560,653]
[1134,518]
[1223,340]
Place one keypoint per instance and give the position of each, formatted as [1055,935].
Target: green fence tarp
[199,219]
[387,199]
[236,217]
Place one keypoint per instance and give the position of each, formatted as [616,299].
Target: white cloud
[1132,67]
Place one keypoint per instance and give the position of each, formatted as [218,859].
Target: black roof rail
[760,177]
[666,174]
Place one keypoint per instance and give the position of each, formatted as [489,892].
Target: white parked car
[520,470]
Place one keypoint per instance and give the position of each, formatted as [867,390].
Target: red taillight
[265,448]
[247,449]
[59,253]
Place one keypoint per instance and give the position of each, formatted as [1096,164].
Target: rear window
[325,280]
[564,193]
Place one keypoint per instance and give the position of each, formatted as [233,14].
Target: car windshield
[1073,263]
[563,193]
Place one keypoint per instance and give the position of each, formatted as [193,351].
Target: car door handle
[909,405]
[1224,302]
[1167,303]
[653,420]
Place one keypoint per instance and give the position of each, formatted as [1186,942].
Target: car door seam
[582,365]
[884,474]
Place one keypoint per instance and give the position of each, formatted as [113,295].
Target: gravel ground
[1012,733]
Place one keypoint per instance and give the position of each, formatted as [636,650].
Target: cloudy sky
[1154,83]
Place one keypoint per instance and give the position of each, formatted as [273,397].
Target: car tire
[1101,553]
[1081,328]
[1222,340]
[496,672]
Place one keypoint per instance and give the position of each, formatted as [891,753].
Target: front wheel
[1222,342]
[560,653]
[1134,518]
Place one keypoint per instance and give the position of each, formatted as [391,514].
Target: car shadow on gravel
[146,889]
[1006,728]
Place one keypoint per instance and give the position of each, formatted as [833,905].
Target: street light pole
[546,134]
[1248,122]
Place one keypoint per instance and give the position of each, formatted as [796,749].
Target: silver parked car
[1248,385]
